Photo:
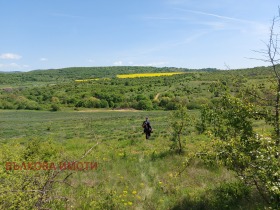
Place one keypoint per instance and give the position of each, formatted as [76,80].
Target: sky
[195,34]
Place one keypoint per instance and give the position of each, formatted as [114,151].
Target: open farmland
[99,121]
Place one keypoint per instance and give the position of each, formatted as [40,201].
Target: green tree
[180,121]
[254,158]
[145,105]
[240,148]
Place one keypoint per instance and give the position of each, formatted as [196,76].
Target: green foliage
[24,189]
[230,117]
[254,158]
[131,173]
[145,105]
[55,107]
[180,121]
[230,196]
[38,90]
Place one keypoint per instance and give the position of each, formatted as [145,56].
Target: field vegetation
[72,138]
[197,118]
[72,89]
[132,173]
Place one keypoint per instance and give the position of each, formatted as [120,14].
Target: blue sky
[44,34]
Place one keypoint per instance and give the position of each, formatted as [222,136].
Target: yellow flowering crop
[85,80]
[88,80]
[124,76]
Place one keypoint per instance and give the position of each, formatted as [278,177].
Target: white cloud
[118,63]
[10,56]
[43,59]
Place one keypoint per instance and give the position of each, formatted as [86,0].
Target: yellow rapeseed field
[123,76]
[88,80]
[85,80]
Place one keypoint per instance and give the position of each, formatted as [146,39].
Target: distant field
[106,124]
[124,76]
[86,80]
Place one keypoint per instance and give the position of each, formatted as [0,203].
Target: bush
[145,105]
[92,102]
[193,105]
[55,107]
[25,192]
[104,104]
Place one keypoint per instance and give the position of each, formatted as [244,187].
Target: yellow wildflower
[134,192]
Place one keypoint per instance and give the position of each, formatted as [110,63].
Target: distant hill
[51,76]
[74,73]
[56,88]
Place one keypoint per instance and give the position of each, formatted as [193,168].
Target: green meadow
[132,172]
[47,117]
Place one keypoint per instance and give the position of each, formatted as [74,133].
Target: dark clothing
[147,128]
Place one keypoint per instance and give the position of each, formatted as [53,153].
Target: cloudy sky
[176,33]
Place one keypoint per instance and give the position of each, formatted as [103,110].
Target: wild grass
[132,173]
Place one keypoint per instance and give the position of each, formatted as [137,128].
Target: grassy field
[68,115]
[132,173]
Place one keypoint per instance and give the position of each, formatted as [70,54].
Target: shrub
[145,105]
[55,107]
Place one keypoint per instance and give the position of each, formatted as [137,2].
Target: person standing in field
[147,128]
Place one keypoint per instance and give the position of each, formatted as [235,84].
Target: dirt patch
[156,97]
